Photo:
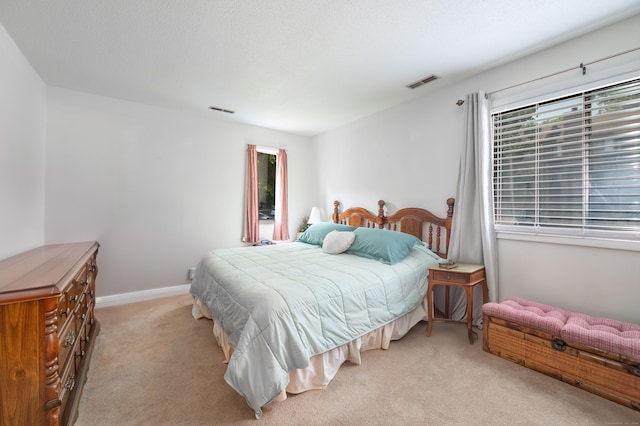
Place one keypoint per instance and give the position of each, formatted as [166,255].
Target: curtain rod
[582,66]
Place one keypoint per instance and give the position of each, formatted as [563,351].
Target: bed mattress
[280,305]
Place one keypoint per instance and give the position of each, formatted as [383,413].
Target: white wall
[393,156]
[408,156]
[156,187]
[22,151]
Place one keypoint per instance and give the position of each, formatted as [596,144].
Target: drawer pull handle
[65,312]
[70,340]
[559,344]
[70,383]
[74,298]
[83,316]
[448,277]
[81,354]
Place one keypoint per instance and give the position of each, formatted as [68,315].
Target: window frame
[274,152]
[604,239]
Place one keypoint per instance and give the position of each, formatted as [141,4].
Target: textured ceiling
[301,66]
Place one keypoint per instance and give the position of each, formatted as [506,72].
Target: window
[270,180]
[266,185]
[570,166]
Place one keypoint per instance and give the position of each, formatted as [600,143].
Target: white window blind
[571,166]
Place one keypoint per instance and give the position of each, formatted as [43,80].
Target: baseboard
[140,296]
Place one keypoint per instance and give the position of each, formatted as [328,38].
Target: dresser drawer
[91,287]
[91,321]
[66,340]
[82,313]
[80,286]
[63,311]
[83,339]
[72,366]
[67,303]
[450,277]
[67,382]
[77,287]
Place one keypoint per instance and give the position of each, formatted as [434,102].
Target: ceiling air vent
[422,82]
[228,111]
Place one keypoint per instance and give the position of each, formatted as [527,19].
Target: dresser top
[36,272]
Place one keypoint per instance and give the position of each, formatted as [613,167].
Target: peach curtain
[281,222]
[251,230]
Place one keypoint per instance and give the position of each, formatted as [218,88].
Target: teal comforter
[284,303]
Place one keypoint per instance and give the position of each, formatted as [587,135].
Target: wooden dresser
[47,330]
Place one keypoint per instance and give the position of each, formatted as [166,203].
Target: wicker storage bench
[599,355]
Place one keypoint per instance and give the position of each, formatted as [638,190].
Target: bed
[288,315]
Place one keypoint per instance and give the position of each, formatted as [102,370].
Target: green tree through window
[266,186]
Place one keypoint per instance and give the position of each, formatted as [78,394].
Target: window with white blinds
[570,166]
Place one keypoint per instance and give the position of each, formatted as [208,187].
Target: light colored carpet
[153,364]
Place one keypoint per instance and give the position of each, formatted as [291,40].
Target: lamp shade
[317,215]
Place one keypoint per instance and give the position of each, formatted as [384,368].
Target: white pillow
[337,241]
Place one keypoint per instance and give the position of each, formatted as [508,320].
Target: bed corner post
[448,221]
[382,219]
[336,211]
[450,202]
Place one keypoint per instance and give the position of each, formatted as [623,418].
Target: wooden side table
[466,276]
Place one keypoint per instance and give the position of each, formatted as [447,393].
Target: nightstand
[466,276]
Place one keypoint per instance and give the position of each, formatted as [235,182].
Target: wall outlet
[192,273]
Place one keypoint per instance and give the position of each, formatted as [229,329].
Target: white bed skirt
[323,367]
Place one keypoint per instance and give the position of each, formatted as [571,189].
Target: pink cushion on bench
[530,314]
[605,334]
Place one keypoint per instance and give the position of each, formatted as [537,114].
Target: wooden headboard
[411,220]
[359,216]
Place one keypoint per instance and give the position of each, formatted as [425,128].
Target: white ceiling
[300,66]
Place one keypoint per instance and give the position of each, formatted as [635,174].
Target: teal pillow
[383,245]
[315,233]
